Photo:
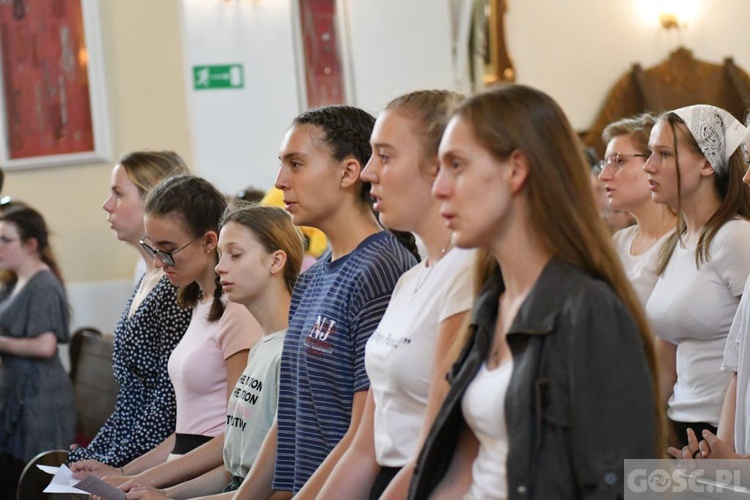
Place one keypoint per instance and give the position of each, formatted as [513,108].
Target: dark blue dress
[145,410]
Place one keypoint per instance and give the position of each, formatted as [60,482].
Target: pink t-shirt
[198,369]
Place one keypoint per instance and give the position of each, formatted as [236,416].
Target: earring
[273,273]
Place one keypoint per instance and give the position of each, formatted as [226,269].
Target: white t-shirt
[736,360]
[640,269]
[483,407]
[400,354]
[252,405]
[694,309]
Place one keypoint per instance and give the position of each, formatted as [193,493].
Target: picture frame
[498,66]
[321,35]
[53,102]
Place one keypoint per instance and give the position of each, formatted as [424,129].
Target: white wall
[395,46]
[575,50]
[237,132]
[398,46]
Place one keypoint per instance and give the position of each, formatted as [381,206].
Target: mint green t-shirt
[252,405]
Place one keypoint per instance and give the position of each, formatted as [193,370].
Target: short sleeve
[459,291]
[377,283]
[48,310]
[737,333]
[361,327]
[730,254]
[238,330]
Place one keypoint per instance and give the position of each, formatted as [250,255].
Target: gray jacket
[580,399]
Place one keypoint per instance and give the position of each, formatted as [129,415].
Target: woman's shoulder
[46,281]
[580,290]
[46,277]
[384,249]
[735,231]
[236,313]
[731,242]
[624,236]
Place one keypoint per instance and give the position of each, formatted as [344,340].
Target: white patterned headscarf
[716,131]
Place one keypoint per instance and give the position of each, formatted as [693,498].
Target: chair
[74,348]
[94,385]
[33,481]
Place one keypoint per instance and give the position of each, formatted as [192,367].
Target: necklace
[423,276]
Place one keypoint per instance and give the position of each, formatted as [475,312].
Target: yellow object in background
[318,241]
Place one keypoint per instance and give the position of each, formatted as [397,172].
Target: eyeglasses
[166,257]
[616,160]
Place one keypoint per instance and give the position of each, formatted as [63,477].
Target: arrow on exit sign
[225,76]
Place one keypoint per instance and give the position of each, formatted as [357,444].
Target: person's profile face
[308,176]
[662,165]
[124,207]
[400,177]
[472,187]
[244,266]
[626,185]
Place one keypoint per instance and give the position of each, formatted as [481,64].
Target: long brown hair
[564,217]
[734,196]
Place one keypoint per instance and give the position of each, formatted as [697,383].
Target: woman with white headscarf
[696,168]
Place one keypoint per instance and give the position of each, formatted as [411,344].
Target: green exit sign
[225,76]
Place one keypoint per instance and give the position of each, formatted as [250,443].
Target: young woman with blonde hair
[627,189]
[149,328]
[406,356]
[539,406]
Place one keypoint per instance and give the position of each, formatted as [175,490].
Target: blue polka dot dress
[145,410]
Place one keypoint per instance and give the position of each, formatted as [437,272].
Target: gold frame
[498,66]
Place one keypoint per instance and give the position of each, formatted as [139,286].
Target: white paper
[63,482]
[48,469]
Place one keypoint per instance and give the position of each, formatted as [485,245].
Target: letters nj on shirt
[317,340]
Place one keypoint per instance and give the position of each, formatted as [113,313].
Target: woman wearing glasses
[696,169]
[36,398]
[627,188]
[149,328]
[261,255]
[181,223]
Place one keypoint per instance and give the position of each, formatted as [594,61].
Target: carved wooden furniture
[679,81]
